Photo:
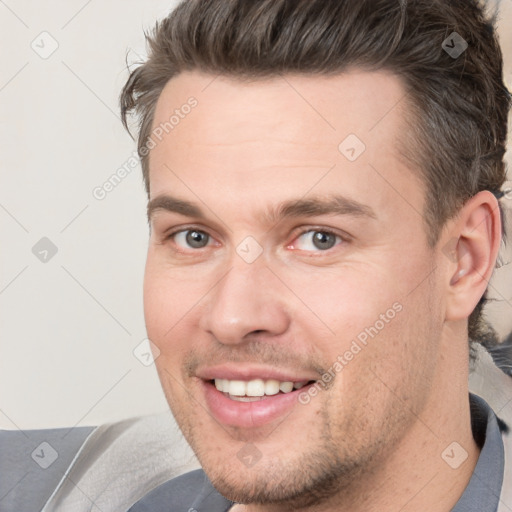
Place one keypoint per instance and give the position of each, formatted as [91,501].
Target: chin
[310,478]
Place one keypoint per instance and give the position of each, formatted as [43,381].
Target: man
[324,181]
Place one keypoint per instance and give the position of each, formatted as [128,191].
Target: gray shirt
[193,492]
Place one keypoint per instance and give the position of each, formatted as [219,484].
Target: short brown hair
[459,103]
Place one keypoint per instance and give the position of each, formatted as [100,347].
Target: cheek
[398,358]
[368,320]
[344,302]
[156,306]
[169,299]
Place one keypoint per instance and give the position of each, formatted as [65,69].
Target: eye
[316,240]
[191,238]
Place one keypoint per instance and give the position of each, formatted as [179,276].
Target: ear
[474,242]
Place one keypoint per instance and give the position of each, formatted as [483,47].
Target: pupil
[196,239]
[323,240]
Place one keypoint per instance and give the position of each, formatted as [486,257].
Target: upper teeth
[256,387]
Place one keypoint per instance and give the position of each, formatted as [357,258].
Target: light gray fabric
[32,463]
[121,462]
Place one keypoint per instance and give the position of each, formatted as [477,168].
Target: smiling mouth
[255,402]
[256,389]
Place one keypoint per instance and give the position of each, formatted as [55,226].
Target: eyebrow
[330,205]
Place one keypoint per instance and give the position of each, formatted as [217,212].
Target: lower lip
[249,414]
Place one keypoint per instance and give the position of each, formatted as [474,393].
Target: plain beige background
[71,321]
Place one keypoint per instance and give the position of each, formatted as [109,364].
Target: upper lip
[251,372]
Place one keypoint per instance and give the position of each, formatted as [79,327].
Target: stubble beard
[329,472]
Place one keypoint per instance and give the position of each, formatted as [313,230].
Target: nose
[248,300]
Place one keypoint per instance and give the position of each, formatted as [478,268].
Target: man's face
[303,260]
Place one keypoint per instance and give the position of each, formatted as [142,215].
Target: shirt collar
[483,491]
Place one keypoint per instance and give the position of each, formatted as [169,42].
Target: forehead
[305,109]
[284,136]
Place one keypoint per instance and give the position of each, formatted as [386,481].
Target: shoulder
[33,463]
[112,465]
[495,387]
[191,492]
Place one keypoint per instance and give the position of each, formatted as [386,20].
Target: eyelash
[343,238]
